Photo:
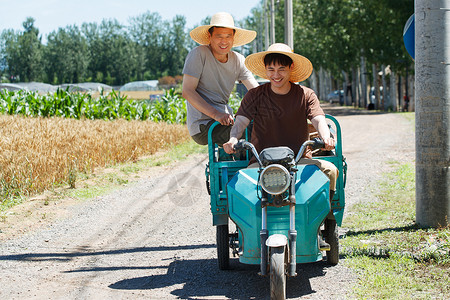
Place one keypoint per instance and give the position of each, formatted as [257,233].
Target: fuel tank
[312,206]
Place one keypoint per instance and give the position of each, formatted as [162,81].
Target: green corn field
[170,109]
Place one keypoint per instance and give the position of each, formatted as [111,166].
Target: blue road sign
[408,36]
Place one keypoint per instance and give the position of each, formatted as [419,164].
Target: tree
[66,56]
[9,50]
[23,52]
[335,34]
[146,32]
[30,53]
[111,51]
[174,43]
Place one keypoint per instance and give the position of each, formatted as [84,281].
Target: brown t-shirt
[280,120]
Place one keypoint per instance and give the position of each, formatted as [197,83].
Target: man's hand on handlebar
[229,146]
[329,143]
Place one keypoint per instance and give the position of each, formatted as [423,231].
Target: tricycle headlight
[275,179]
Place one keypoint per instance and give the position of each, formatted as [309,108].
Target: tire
[277,273]
[223,247]
[332,238]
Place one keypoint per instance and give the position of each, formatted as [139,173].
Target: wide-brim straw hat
[200,34]
[302,66]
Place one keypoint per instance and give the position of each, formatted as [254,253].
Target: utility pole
[288,24]
[272,22]
[432,63]
[266,25]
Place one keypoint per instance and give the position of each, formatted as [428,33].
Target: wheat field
[38,153]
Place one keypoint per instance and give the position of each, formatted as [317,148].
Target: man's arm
[321,126]
[236,132]
[190,84]
[250,83]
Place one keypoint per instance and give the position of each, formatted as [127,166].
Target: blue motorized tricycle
[277,208]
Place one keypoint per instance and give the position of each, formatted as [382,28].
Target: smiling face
[279,77]
[221,42]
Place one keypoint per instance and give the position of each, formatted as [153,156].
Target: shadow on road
[412,227]
[86,251]
[199,278]
[202,278]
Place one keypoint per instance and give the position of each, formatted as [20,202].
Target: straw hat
[200,34]
[302,66]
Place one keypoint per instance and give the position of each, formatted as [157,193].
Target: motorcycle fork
[264,234]
[292,232]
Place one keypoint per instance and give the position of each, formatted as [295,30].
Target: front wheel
[223,248]
[332,238]
[277,273]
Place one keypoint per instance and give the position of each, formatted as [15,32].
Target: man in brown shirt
[280,109]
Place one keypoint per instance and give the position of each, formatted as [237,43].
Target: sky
[50,15]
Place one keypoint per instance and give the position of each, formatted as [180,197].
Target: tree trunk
[322,84]
[411,93]
[385,102]
[329,84]
[376,87]
[393,91]
[363,82]
[354,82]
[432,28]
[313,83]
[358,88]
[344,87]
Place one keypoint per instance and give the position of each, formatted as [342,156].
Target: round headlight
[275,179]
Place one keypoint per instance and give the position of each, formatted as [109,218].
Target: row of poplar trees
[352,41]
[146,48]
[346,38]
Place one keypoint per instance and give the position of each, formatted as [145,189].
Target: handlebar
[244,145]
[316,143]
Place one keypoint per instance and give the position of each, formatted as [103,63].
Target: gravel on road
[154,238]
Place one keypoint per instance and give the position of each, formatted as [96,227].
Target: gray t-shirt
[216,81]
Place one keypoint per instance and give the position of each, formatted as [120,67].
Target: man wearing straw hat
[280,109]
[210,72]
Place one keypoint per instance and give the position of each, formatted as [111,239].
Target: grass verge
[395,258]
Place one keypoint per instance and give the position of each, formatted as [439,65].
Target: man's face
[278,75]
[221,40]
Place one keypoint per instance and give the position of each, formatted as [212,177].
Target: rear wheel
[223,248]
[332,238]
[277,273]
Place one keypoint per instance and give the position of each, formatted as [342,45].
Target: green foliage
[171,108]
[66,56]
[334,34]
[109,52]
[391,253]
[22,52]
[234,101]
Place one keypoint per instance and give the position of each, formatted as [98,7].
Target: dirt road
[153,239]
